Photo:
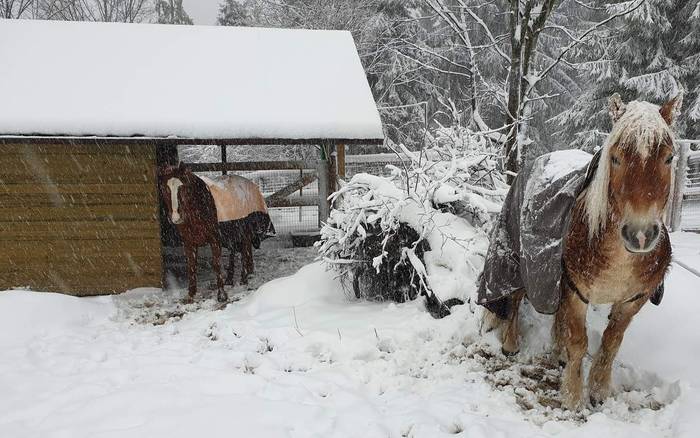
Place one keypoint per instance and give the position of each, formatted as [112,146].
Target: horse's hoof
[222,297]
[507,353]
[595,402]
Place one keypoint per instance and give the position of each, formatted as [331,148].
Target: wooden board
[79,219]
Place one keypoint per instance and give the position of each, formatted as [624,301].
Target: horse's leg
[216,261]
[559,350]
[502,314]
[571,321]
[191,254]
[601,370]
[231,263]
[246,259]
[511,332]
[251,266]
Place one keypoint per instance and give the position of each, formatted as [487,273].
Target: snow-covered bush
[422,230]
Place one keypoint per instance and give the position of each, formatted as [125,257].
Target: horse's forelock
[640,129]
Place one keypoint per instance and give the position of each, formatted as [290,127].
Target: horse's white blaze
[174,185]
[641,128]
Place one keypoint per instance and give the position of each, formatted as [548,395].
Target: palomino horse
[616,250]
[228,210]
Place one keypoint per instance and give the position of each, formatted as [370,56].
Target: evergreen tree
[651,54]
[171,12]
[235,13]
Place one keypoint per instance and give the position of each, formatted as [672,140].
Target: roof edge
[174,141]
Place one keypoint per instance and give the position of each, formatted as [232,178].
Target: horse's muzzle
[176,219]
[640,238]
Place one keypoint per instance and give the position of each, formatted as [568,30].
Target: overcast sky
[202,11]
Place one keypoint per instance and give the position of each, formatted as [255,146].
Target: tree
[234,13]
[378,27]
[125,11]
[17,8]
[525,67]
[653,54]
[171,12]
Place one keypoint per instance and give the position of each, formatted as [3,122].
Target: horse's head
[173,182]
[633,179]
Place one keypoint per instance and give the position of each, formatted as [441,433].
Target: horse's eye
[669,160]
[615,160]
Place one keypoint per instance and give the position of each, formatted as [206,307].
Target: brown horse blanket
[235,197]
[526,245]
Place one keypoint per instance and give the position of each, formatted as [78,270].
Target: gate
[685,207]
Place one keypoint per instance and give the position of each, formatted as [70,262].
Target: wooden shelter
[80,141]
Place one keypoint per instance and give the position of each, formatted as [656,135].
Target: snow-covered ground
[297,358]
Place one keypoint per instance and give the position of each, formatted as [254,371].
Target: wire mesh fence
[305,219]
[295,219]
[690,213]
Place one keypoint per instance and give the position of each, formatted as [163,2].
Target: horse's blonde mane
[642,129]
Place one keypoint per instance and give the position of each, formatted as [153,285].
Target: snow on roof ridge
[185,27]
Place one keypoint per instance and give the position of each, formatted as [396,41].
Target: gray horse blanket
[527,242]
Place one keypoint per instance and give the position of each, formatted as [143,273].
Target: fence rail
[291,187]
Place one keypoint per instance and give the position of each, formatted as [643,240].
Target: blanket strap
[570,283]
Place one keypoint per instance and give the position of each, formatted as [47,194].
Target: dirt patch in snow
[276,258]
[535,381]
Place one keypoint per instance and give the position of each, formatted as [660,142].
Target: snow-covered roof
[198,82]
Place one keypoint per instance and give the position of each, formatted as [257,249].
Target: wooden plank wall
[78,219]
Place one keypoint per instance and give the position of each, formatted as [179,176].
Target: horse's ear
[670,109]
[616,107]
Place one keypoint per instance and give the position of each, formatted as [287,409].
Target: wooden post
[301,193]
[679,187]
[341,160]
[332,170]
[326,181]
[223,158]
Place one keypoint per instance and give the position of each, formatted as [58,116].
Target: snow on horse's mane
[641,128]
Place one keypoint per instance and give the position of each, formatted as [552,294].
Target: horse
[616,249]
[226,211]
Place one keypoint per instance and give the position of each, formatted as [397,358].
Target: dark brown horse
[617,249]
[226,212]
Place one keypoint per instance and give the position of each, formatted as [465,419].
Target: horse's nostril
[655,230]
[625,229]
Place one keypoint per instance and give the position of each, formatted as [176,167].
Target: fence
[294,207]
[306,218]
[300,213]
[687,202]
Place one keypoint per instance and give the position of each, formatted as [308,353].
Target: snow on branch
[422,231]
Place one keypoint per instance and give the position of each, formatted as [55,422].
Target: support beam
[296,201]
[323,191]
[223,158]
[251,165]
[326,180]
[282,193]
[341,160]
